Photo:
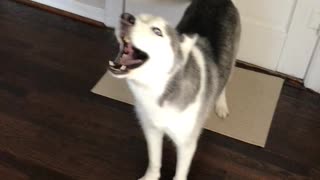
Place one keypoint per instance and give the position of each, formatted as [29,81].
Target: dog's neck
[151,84]
[156,82]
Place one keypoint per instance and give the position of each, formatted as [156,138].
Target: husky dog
[177,75]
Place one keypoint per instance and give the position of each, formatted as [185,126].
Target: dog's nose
[128,18]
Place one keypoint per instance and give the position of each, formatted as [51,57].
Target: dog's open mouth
[130,57]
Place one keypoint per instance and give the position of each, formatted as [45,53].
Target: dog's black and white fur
[178,75]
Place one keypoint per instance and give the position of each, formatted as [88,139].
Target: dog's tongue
[127,58]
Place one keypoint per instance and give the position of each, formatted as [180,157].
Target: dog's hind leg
[221,106]
[154,138]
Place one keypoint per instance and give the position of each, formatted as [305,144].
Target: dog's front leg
[185,154]
[154,138]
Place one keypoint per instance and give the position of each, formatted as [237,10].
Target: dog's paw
[222,110]
[175,178]
[150,176]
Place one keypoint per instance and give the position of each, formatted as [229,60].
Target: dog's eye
[157,31]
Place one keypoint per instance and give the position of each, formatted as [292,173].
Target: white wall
[94,3]
[113,9]
[170,11]
[76,7]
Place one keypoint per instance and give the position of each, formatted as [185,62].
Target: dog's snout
[128,18]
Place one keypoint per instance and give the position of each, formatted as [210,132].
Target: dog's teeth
[123,68]
[111,63]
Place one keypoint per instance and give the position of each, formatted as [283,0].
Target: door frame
[312,79]
[113,9]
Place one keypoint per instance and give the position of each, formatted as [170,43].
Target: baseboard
[84,13]
[289,80]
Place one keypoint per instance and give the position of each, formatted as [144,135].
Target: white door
[279,35]
[265,24]
[276,34]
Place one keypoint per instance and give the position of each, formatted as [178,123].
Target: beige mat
[252,99]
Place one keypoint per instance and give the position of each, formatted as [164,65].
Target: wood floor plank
[9,173]
[14,168]
[53,127]
[64,154]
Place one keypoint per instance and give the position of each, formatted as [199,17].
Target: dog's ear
[187,43]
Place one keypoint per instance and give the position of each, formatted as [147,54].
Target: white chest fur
[177,124]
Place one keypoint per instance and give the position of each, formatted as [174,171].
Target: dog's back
[218,22]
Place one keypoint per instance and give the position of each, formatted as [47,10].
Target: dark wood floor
[52,127]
